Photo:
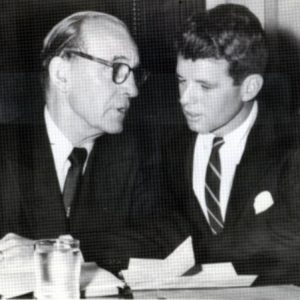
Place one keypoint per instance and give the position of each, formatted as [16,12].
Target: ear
[59,70]
[251,86]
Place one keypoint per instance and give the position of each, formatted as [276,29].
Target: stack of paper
[168,273]
[16,284]
[175,265]
[98,282]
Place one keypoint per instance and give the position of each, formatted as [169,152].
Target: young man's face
[210,101]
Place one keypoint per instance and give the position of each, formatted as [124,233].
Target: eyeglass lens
[121,73]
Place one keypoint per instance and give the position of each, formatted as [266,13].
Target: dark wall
[160,21]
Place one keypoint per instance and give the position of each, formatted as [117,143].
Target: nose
[130,86]
[185,95]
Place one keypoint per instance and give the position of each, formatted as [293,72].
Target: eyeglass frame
[106,63]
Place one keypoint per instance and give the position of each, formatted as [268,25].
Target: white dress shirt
[230,155]
[61,148]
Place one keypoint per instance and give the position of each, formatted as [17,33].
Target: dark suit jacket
[31,202]
[252,242]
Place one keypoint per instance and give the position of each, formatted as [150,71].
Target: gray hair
[67,34]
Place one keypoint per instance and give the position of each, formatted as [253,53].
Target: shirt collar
[239,135]
[56,137]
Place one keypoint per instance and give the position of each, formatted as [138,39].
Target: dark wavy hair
[228,31]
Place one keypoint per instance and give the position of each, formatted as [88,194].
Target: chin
[115,130]
[198,129]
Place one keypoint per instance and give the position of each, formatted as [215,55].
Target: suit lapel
[255,162]
[44,206]
[96,186]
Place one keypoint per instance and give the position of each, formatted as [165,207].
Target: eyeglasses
[121,71]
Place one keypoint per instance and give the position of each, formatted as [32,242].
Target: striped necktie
[212,188]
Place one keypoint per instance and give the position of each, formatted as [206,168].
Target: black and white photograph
[150,149]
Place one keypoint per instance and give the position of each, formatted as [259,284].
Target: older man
[69,175]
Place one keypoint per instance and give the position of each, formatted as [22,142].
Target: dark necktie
[212,187]
[77,159]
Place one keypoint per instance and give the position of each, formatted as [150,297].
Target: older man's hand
[16,253]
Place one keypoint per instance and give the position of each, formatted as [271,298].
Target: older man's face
[98,102]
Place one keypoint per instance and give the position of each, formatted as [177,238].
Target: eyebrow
[206,82]
[212,84]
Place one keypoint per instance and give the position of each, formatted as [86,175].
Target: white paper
[148,274]
[140,264]
[223,270]
[212,276]
[176,264]
[94,280]
[16,284]
[192,282]
[182,258]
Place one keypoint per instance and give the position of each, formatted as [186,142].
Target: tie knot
[78,156]
[217,142]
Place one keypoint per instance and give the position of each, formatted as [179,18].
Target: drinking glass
[57,264]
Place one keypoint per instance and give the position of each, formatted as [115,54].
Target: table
[280,292]
[276,292]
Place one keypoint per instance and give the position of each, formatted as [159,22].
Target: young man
[223,178]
